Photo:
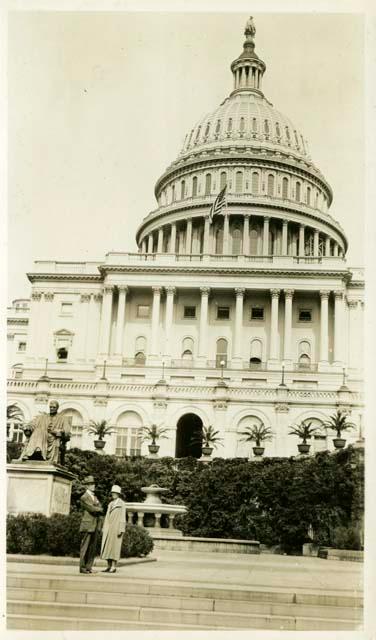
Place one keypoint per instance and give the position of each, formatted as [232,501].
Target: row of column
[238,328]
[147,244]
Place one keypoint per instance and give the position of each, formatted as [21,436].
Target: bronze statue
[47,435]
[250,28]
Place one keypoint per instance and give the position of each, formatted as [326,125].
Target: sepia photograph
[185,432]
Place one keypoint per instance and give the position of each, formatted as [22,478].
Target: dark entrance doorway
[189,428]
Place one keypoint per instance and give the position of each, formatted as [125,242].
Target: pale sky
[99,104]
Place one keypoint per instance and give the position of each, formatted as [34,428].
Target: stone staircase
[100,601]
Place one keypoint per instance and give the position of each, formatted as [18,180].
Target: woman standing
[113,530]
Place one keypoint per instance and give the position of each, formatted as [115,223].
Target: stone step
[182,603]
[31,623]
[156,616]
[165,588]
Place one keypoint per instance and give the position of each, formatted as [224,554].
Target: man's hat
[115,489]
[88,480]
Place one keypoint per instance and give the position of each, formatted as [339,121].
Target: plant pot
[303,447]
[258,451]
[99,444]
[207,451]
[339,443]
[153,448]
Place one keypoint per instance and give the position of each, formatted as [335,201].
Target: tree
[257,433]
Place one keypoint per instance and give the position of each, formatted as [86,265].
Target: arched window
[14,431]
[229,125]
[287,133]
[255,183]
[182,190]
[173,193]
[270,184]
[62,354]
[304,351]
[218,126]
[187,349]
[219,241]
[266,127]
[76,422]
[194,186]
[285,188]
[239,182]
[208,184]
[242,125]
[244,449]
[309,196]
[128,434]
[255,359]
[297,191]
[254,125]
[207,130]
[140,350]
[198,134]
[190,138]
[296,139]
[319,441]
[253,241]
[277,130]
[223,179]
[221,354]
[236,242]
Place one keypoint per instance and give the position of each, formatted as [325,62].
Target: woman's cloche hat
[116,489]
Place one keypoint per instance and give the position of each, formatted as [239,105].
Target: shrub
[346,538]
[27,533]
[14,450]
[137,542]
[63,537]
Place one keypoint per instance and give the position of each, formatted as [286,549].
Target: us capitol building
[251,315]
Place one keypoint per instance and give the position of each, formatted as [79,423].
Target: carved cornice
[36,296]
[64,277]
[157,290]
[240,291]
[98,297]
[85,297]
[170,290]
[49,296]
[324,293]
[205,291]
[288,293]
[17,320]
[338,294]
[275,293]
[281,407]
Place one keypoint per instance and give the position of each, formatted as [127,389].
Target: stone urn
[258,452]
[153,448]
[207,451]
[99,444]
[303,447]
[339,443]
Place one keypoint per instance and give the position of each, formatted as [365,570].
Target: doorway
[189,428]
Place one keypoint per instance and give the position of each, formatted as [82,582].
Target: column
[238,343]
[203,343]
[169,318]
[106,320]
[160,240]
[335,250]
[284,237]
[120,320]
[226,234]
[274,325]
[301,241]
[150,243]
[155,321]
[188,242]
[144,246]
[173,238]
[47,323]
[206,235]
[327,246]
[265,240]
[85,320]
[338,327]
[288,324]
[316,243]
[324,316]
[246,235]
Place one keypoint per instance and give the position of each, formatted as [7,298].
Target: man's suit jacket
[91,519]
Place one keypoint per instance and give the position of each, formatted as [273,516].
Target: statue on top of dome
[250,29]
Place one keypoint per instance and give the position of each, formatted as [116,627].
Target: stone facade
[211,315]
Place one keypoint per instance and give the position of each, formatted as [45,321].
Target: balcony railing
[215,364]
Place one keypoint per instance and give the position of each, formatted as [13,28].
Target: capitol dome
[262,160]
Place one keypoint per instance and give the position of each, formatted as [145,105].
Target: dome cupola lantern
[248,69]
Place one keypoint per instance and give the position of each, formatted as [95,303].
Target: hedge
[59,535]
[276,500]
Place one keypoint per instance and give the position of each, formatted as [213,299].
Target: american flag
[218,204]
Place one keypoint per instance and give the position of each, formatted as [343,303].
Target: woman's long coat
[114,524]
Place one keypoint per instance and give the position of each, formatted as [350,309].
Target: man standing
[90,525]
[47,433]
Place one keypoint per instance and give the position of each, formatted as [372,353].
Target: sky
[99,105]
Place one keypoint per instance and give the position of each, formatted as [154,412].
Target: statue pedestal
[38,487]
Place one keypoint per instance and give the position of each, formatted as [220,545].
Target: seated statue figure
[47,435]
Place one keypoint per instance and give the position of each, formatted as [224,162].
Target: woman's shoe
[112,571]
[106,570]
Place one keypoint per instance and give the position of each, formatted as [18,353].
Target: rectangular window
[189,312]
[22,346]
[143,311]
[305,315]
[223,313]
[257,313]
[67,308]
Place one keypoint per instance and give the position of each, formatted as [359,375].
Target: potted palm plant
[338,422]
[257,433]
[304,430]
[100,429]
[208,438]
[153,433]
